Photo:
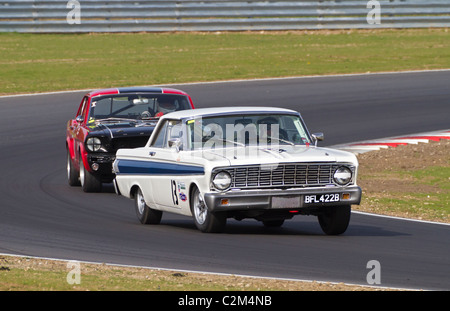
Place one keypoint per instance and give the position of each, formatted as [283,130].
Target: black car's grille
[283,175]
[128,142]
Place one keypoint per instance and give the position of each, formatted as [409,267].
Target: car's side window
[82,109]
[174,131]
[160,136]
[171,129]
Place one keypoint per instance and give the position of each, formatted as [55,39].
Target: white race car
[245,162]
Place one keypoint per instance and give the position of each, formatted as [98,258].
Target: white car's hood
[276,154]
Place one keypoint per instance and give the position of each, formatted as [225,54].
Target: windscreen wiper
[115,120]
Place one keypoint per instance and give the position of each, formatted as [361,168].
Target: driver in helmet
[268,131]
[164,105]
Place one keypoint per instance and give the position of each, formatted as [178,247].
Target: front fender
[70,147]
[84,158]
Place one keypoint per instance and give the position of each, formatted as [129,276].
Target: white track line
[206,273]
[402,218]
[250,80]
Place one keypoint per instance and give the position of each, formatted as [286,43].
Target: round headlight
[342,176]
[93,143]
[222,180]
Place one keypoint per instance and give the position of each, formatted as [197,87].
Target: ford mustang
[110,119]
[246,162]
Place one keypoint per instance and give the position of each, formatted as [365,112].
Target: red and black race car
[110,119]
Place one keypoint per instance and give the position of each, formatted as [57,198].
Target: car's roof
[203,112]
[128,90]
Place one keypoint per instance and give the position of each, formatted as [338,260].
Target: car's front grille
[128,142]
[283,175]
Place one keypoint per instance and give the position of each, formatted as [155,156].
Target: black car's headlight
[93,143]
[222,180]
[342,175]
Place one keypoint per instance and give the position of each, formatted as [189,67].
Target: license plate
[286,202]
[322,198]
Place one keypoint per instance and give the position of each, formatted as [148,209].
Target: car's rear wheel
[89,182]
[205,220]
[73,175]
[335,220]
[145,214]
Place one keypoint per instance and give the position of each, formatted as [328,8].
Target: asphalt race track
[40,215]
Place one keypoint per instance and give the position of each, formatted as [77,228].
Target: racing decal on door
[181,188]
[173,185]
[177,190]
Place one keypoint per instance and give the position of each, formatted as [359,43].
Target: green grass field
[53,62]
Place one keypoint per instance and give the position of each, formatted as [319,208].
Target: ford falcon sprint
[110,119]
[244,162]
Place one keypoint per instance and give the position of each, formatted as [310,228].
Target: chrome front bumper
[275,199]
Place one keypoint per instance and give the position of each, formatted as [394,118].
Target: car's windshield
[242,130]
[135,106]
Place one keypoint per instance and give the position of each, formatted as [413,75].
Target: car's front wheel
[145,214]
[73,175]
[335,220]
[89,182]
[205,220]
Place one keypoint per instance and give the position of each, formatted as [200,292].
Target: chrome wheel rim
[200,209]
[140,202]
[68,166]
[82,173]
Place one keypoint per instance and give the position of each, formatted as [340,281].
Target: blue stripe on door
[157,168]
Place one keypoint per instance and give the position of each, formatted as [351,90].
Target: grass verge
[53,62]
[410,181]
[30,274]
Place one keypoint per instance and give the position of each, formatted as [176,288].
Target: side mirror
[175,143]
[317,137]
[79,119]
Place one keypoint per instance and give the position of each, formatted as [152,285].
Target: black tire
[273,223]
[335,220]
[145,214]
[205,220]
[89,182]
[73,175]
